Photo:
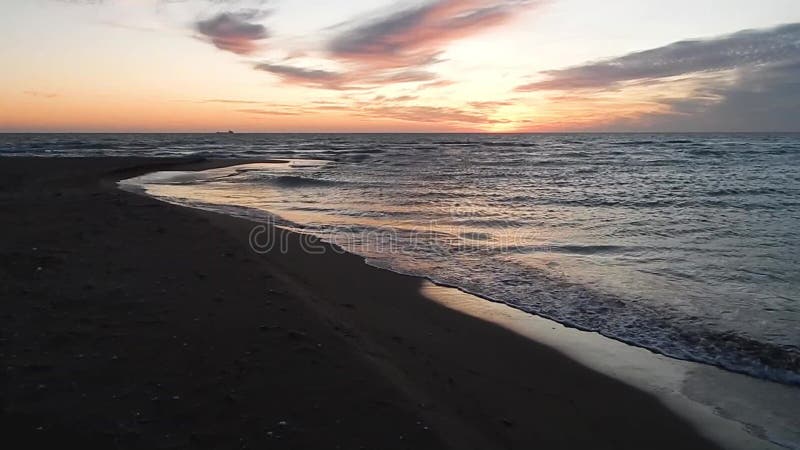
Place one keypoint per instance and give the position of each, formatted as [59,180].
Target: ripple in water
[683,244]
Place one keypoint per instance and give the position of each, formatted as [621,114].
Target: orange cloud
[430,114]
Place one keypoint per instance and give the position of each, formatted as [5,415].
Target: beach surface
[131,323]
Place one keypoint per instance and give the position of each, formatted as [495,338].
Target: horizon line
[225,133]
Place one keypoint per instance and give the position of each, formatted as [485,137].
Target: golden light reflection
[355,221]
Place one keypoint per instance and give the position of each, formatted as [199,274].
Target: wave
[575,249]
[368,151]
[510,144]
[744,192]
[479,269]
[643,142]
[628,321]
[475,236]
[293,181]
[706,152]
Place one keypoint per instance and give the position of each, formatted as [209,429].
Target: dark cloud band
[749,48]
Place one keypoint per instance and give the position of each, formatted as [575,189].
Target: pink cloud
[416,36]
[396,47]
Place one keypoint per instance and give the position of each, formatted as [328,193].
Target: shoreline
[652,329]
[735,415]
[385,360]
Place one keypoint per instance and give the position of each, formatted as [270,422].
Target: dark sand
[130,323]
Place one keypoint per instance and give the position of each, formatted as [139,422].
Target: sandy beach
[131,323]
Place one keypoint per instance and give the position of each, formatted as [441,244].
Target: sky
[409,66]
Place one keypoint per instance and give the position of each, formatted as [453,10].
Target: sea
[684,244]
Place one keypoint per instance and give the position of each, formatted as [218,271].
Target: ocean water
[685,244]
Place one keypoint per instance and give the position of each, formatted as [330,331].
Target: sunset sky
[383,65]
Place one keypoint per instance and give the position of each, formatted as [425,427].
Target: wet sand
[130,323]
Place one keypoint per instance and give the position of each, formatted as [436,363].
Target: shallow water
[683,244]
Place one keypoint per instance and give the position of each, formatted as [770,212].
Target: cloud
[400,98]
[415,36]
[382,108]
[473,115]
[355,79]
[398,108]
[429,114]
[397,46]
[435,84]
[747,48]
[230,101]
[764,98]
[744,81]
[234,31]
[299,72]
[41,94]
[304,76]
[257,106]
[270,112]
[491,104]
